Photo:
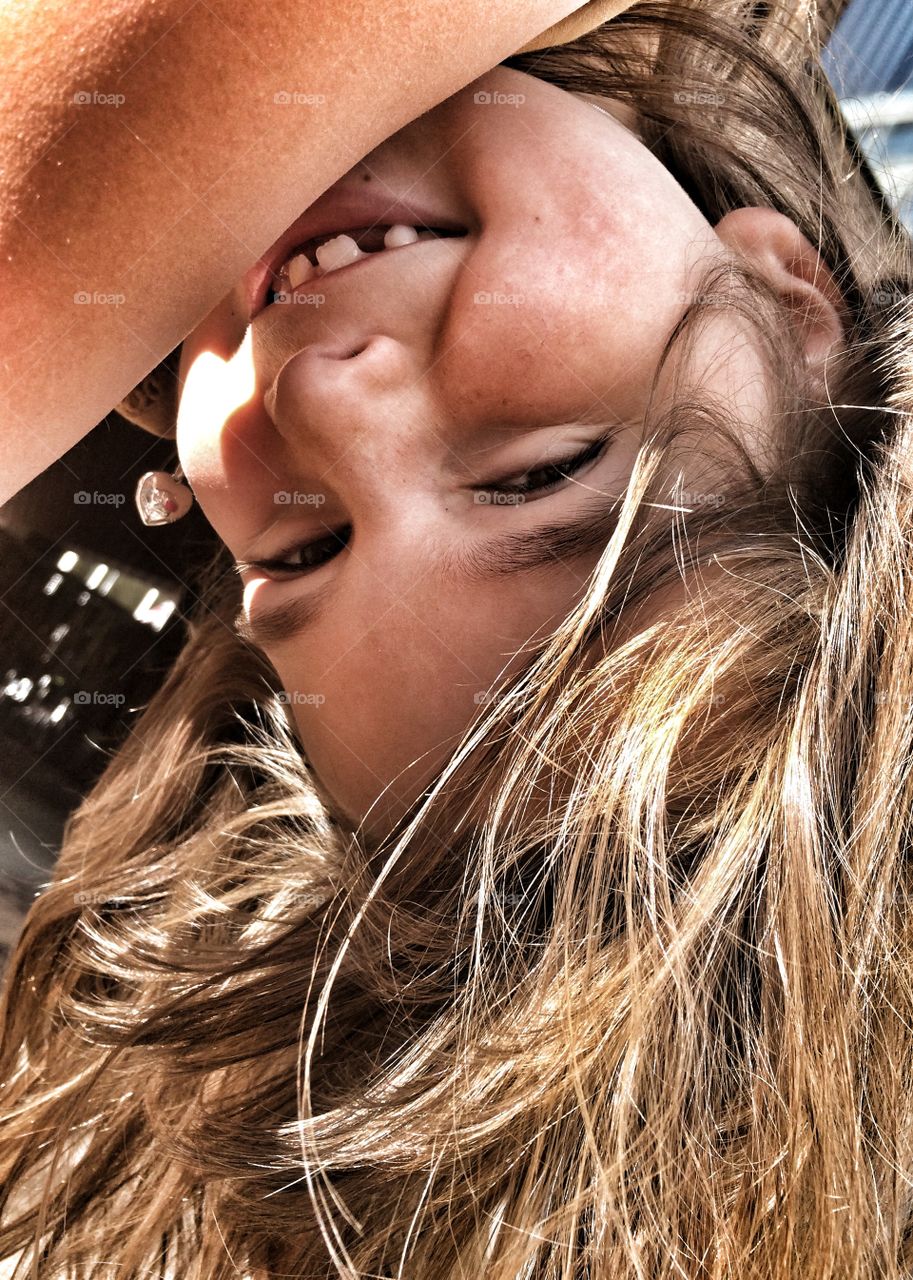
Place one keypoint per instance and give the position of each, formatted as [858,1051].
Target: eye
[313,555]
[548,477]
[321,550]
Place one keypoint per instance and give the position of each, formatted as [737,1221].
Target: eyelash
[559,471]
[280,565]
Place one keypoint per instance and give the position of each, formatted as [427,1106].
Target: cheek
[534,334]
[579,276]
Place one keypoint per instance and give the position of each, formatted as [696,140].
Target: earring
[162,498]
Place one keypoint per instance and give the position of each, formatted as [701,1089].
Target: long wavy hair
[628,993]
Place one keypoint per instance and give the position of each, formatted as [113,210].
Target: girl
[510,878]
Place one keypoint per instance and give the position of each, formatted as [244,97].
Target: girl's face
[405,417]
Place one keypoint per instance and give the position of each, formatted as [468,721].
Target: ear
[773,244]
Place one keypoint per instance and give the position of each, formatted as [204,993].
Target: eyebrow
[586,531]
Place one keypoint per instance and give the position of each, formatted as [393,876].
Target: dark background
[75,561]
[75,564]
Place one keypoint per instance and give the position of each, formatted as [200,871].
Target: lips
[338,210]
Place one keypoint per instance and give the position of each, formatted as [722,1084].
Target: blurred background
[91,607]
[92,601]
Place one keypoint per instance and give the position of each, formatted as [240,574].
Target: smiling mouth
[311,262]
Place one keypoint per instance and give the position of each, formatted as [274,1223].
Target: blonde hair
[628,993]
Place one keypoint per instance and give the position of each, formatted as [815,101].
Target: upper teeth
[339,252]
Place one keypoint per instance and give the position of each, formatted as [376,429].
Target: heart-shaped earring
[162,498]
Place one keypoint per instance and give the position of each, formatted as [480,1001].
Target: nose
[329,392]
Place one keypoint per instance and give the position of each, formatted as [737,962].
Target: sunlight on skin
[220,385]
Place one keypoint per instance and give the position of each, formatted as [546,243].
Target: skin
[566,209]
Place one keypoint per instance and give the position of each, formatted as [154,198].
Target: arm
[145,164]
